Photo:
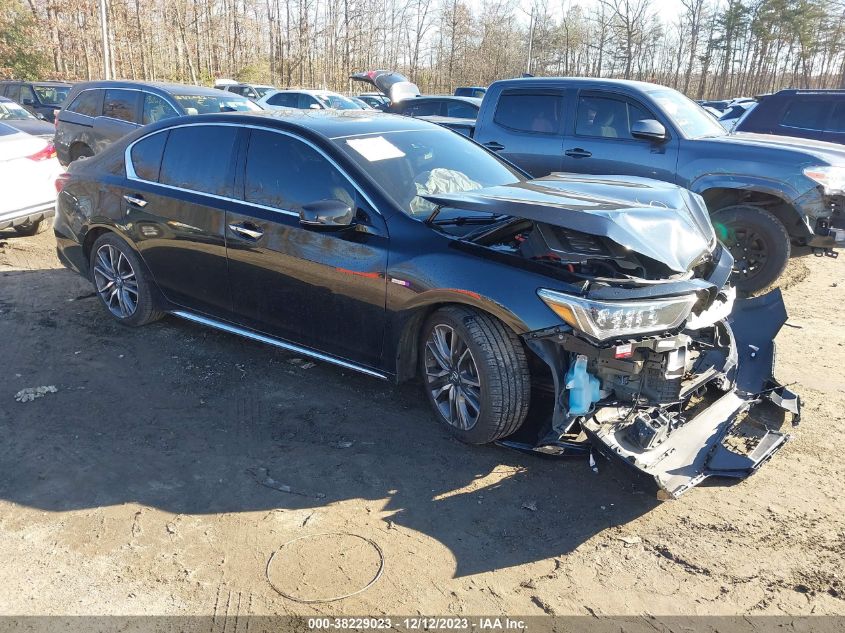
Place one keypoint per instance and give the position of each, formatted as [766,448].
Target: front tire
[475,374]
[120,281]
[758,242]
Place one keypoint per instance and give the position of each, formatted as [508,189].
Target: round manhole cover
[325,567]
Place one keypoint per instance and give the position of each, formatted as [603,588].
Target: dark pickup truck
[764,192]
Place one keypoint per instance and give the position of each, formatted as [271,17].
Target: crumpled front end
[680,406]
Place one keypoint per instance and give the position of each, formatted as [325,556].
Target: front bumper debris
[720,417]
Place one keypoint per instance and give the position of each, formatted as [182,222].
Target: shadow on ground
[193,421]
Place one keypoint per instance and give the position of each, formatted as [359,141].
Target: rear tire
[120,281]
[80,150]
[475,374]
[33,228]
[758,242]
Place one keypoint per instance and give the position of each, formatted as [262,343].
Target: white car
[28,172]
[307,100]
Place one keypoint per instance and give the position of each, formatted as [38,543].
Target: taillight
[45,154]
[61,181]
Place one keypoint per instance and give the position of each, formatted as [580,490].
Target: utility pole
[105,34]
[530,41]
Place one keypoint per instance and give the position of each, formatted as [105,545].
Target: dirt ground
[172,461]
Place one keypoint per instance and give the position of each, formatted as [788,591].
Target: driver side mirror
[40,116]
[28,102]
[315,106]
[649,130]
[326,214]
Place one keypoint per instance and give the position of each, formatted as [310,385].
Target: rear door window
[200,158]
[27,94]
[14,92]
[285,173]
[607,117]
[121,105]
[88,103]
[537,112]
[284,99]
[424,108]
[807,114]
[146,156]
[461,110]
[156,108]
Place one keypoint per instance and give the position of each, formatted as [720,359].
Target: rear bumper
[26,215]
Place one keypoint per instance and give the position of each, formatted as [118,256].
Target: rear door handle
[577,152]
[136,200]
[496,147]
[247,230]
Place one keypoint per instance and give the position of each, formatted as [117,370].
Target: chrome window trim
[262,338]
[102,116]
[132,175]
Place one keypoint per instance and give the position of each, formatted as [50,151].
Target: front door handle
[136,200]
[577,152]
[247,230]
[496,147]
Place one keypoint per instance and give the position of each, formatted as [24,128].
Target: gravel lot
[173,461]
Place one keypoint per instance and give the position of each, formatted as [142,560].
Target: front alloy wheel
[452,377]
[475,374]
[115,280]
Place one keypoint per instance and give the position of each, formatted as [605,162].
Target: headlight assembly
[830,177]
[604,320]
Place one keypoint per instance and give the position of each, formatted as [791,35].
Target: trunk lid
[393,85]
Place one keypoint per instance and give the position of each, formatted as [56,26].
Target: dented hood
[394,86]
[658,220]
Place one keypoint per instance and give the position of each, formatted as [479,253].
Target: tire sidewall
[144,309]
[772,232]
[480,433]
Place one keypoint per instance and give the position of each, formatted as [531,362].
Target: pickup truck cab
[764,192]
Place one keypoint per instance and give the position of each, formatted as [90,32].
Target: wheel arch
[407,339]
[719,194]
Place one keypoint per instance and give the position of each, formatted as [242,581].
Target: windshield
[690,117]
[10,111]
[337,102]
[412,163]
[208,104]
[52,95]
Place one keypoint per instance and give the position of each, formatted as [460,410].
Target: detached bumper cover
[724,439]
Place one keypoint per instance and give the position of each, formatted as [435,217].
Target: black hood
[658,220]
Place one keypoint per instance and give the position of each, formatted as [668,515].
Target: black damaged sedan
[554,315]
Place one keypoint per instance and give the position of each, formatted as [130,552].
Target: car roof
[330,124]
[587,81]
[48,82]
[171,88]
[472,100]
[5,100]
[809,92]
[311,91]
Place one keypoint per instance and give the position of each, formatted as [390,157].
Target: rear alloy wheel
[758,242]
[118,279]
[475,373]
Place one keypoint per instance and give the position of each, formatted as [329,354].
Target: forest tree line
[711,49]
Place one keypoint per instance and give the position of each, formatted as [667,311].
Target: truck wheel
[33,228]
[758,242]
[475,373]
